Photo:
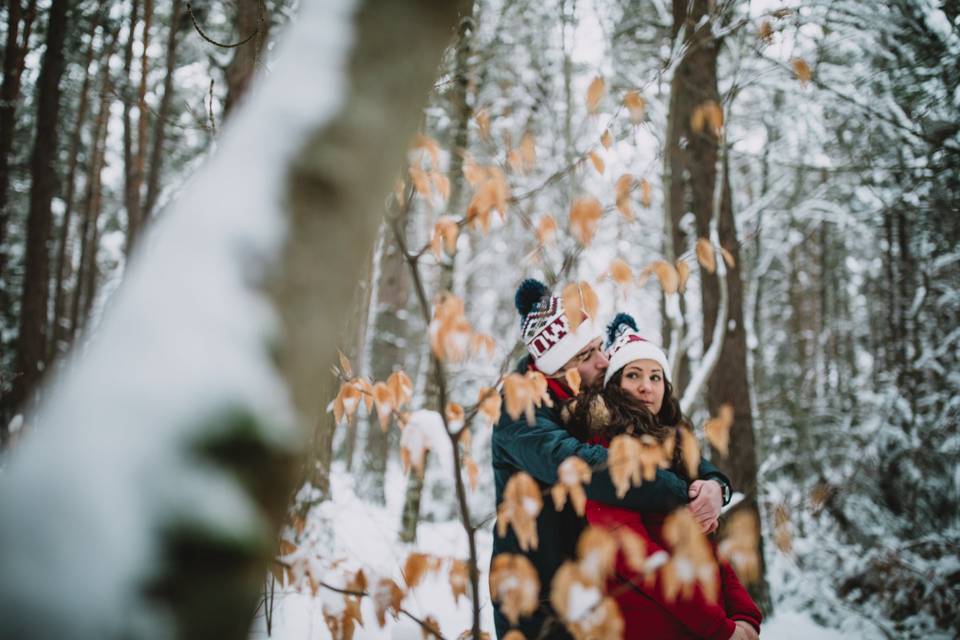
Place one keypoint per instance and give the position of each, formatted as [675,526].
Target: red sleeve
[702,618]
[737,602]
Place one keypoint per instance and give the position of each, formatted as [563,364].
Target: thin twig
[222,45]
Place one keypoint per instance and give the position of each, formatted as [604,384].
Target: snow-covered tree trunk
[145,500]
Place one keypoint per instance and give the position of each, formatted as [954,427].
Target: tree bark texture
[31,344]
[159,129]
[243,65]
[131,195]
[57,332]
[14,58]
[85,282]
[691,183]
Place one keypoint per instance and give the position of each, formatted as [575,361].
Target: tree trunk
[85,280]
[63,247]
[243,66]
[390,337]
[691,185]
[202,578]
[31,345]
[460,140]
[730,384]
[14,58]
[159,131]
[131,195]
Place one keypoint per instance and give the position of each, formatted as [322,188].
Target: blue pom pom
[529,293]
[618,321]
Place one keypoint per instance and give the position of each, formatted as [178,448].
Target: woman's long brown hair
[626,415]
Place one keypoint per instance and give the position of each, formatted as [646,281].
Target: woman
[637,399]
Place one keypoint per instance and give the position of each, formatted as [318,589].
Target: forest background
[780,181]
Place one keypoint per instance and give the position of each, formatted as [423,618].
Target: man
[539,448]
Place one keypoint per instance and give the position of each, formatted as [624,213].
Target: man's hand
[744,632]
[706,498]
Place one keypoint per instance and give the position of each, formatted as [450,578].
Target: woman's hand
[706,499]
[744,632]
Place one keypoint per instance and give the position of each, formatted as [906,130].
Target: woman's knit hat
[625,344]
[545,330]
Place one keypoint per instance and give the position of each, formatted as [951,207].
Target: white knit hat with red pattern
[545,330]
[626,345]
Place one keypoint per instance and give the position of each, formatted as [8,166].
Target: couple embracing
[625,389]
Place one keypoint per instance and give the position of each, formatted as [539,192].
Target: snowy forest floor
[364,535]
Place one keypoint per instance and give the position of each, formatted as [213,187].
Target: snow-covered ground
[364,535]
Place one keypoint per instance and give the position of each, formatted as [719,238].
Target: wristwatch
[724,491]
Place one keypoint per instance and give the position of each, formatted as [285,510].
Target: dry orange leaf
[490,404]
[586,613]
[781,528]
[645,195]
[538,386]
[652,457]
[421,182]
[445,233]
[740,545]
[717,429]
[415,568]
[705,255]
[584,216]
[519,509]
[683,273]
[346,402]
[519,395]
[572,474]
[622,189]
[449,330]
[345,367]
[667,275]
[441,184]
[606,139]
[634,549]
[483,123]
[692,561]
[387,597]
[528,151]
[546,230]
[459,578]
[690,450]
[580,302]
[595,93]
[401,386]
[515,585]
[765,32]
[429,145]
[470,466]
[620,272]
[623,459]
[597,553]
[597,162]
[482,344]
[635,105]
[430,629]
[386,402]
[491,193]
[728,258]
[709,115]
[802,70]
[572,378]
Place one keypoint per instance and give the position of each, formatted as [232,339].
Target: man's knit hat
[545,330]
[625,344]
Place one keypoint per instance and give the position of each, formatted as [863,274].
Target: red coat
[646,612]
